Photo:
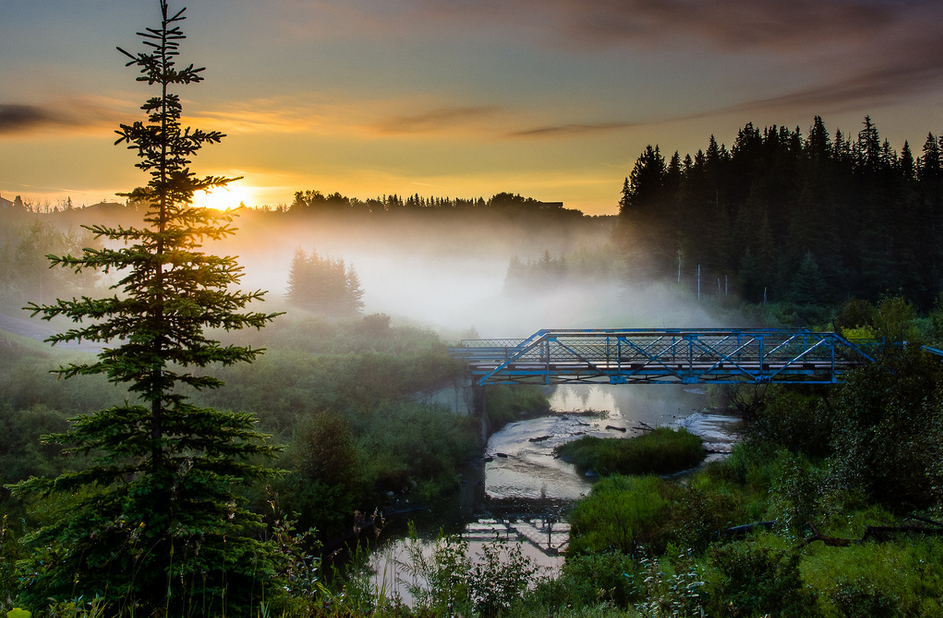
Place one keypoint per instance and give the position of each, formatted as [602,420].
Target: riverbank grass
[661,451]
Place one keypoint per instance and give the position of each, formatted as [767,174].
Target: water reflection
[522,493]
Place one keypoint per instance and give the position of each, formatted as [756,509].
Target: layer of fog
[447,272]
[452,279]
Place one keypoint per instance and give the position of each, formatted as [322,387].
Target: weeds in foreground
[452,581]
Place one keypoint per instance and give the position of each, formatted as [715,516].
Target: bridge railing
[662,356]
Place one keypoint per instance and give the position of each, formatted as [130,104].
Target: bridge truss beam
[662,356]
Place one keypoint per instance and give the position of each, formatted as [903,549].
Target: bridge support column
[480,404]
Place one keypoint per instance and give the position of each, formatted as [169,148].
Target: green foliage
[889,430]
[797,485]
[155,523]
[499,577]
[590,579]
[661,451]
[629,514]
[792,418]
[853,314]
[755,577]
[894,322]
[705,507]
[807,286]
[313,366]
[325,479]
[935,322]
[453,582]
[744,465]
[11,551]
[323,449]
[22,452]
[672,587]
[903,578]
[597,610]
[446,576]
[860,335]
[409,446]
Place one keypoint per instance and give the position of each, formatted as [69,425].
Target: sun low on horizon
[230,197]
[553,101]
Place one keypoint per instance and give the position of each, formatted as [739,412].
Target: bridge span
[663,356]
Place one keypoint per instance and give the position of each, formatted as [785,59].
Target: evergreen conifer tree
[808,288]
[324,285]
[154,525]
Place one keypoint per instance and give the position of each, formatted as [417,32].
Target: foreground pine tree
[155,526]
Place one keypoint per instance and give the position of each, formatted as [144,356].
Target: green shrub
[590,579]
[706,507]
[797,486]
[901,578]
[749,464]
[889,431]
[452,581]
[673,586]
[662,451]
[860,599]
[798,421]
[755,577]
[412,446]
[628,514]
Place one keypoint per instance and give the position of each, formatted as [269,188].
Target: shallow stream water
[521,493]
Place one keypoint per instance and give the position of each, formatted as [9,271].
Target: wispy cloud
[725,24]
[70,116]
[572,130]
[838,52]
[16,118]
[257,117]
[886,85]
[730,25]
[436,120]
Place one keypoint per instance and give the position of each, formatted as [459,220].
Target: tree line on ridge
[810,219]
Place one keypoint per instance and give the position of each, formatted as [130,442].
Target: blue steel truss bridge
[663,356]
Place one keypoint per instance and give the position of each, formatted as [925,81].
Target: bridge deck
[662,356]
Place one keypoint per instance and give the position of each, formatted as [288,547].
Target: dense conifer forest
[814,218]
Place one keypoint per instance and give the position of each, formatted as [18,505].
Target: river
[520,492]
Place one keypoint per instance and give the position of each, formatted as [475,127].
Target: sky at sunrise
[552,99]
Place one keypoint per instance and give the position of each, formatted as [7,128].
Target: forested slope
[814,218]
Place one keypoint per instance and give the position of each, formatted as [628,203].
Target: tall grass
[623,513]
[662,451]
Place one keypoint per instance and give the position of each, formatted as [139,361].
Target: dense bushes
[741,537]
[758,576]
[659,546]
[888,437]
[338,394]
[629,514]
[877,579]
[406,446]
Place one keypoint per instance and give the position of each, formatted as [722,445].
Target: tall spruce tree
[324,285]
[154,524]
